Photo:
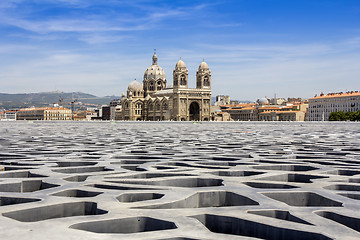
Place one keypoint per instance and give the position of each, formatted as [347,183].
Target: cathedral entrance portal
[194,112]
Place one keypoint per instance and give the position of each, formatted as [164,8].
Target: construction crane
[73,105]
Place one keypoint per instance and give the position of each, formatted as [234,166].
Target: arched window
[165,106]
[158,85]
[182,80]
[206,81]
[151,107]
[198,81]
[151,86]
[176,82]
[126,105]
[158,107]
[138,108]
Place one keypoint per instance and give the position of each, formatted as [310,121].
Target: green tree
[342,116]
[357,116]
[348,116]
[334,116]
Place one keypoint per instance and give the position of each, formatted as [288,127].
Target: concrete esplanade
[179,180]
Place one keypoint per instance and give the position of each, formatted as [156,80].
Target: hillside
[21,100]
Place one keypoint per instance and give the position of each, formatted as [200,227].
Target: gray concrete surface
[172,180]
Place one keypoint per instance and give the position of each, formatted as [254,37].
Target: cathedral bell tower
[180,75]
[203,76]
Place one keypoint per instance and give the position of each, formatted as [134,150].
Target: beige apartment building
[282,116]
[263,111]
[47,113]
[241,112]
[321,106]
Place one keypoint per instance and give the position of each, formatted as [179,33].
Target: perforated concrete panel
[172,180]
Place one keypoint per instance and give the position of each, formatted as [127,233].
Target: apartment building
[321,106]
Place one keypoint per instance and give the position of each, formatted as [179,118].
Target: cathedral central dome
[154,71]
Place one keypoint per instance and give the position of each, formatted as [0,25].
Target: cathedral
[154,100]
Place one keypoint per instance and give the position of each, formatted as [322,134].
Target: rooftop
[340,94]
[44,108]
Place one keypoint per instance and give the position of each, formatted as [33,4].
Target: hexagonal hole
[26,186]
[269,185]
[125,225]
[207,199]
[242,227]
[76,193]
[279,214]
[303,199]
[15,200]
[351,222]
[138,197]
[291,177]
[55,211]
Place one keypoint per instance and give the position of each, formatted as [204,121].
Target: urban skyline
[254,48]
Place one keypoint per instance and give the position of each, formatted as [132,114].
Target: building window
[151,87]
[206,81]
[182,80]
[138,108]
[198,83]
[165,106]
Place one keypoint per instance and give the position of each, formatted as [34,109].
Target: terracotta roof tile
[335,95]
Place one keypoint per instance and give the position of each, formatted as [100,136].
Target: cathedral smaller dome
[203,65]
[135,86]
[180,64]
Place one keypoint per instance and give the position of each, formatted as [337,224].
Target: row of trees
[344,116]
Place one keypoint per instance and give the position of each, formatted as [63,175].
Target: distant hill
[22,100]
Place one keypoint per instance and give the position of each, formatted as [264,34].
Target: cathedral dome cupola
[135,86]
[154,77]
[135,89]
[203,66]
[154,71]
[180,64]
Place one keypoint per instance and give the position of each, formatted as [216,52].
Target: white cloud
[69,25]
[107,74]
[112,57]
[81,22]
[98,38]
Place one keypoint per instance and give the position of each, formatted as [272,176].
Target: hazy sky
[255,48]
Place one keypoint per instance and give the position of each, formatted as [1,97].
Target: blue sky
[255,48]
